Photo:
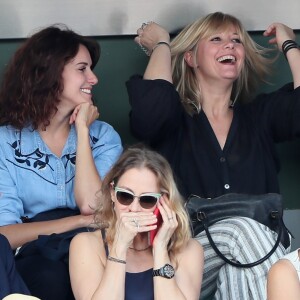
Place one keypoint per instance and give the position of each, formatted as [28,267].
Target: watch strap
[167,271]
[156,272]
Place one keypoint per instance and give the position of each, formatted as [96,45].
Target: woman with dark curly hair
[48,123]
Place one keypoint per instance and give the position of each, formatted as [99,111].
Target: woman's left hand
[280,33]
[168,226]
[84,113]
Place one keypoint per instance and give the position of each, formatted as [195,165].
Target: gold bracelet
[116,260]
[161,43]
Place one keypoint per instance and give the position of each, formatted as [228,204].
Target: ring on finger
[136,223]
[147,52]
[144,24]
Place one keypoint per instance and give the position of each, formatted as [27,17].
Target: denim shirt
[33,179]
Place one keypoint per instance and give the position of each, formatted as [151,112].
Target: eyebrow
[125,188]
[82,63]
[131,191]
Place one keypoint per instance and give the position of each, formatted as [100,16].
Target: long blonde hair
[141,157]
[256,66]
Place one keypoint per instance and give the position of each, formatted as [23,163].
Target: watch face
[168,271]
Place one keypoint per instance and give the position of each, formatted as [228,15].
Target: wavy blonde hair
[140,157]
[255,69]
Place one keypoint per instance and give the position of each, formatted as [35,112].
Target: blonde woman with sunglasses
[118,261]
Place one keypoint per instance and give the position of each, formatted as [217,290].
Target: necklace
[143,249]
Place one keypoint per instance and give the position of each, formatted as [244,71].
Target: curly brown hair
[32,82]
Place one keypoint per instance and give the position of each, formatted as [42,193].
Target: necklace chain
[143,249]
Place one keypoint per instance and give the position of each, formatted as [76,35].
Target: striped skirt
[243,240]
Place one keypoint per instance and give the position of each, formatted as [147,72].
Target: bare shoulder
[281,268]
[195,245]
[91,240]
[283,281]
[192,249]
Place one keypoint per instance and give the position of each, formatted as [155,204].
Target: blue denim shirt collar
[30,140]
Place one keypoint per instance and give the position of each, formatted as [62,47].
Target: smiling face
[138,181]
[219,56]
[78,79]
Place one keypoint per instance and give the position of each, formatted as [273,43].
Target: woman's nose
[92,78]
[135,205]
[229,45]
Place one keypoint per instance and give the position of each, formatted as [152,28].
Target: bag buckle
[201,216]
[274,214]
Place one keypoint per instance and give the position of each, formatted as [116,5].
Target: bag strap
[274,214]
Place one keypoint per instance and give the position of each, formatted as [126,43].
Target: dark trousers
[45,278]
[43,263]
[10,280]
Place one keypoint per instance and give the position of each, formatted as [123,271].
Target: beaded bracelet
[116,260]
[288,45]
[161,43]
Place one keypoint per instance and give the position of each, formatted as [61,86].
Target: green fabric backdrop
[121,58]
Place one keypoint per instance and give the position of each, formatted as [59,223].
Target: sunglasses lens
[124,198]
[148,201]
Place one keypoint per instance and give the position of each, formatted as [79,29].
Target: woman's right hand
[129,225]
[150,34]
[84,113]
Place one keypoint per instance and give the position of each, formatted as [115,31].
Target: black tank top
[138,286]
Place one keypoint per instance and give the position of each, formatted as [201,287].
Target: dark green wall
[121,58]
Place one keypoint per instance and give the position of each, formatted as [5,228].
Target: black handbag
[266,209]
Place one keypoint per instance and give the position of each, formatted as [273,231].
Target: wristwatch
[167,271]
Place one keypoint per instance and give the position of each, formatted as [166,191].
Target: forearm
[165,288]
[112,284]
[159,66]
[87,179]
[19,234]
[186,284]
[293,57]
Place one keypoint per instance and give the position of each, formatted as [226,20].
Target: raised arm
[281,33]
[87,179]
[186,283]
[92,161]
[156,40]
[93,276]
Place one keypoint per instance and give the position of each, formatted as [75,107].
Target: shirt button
[226,186]
[222,159]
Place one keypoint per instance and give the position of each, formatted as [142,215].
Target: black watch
[167,271]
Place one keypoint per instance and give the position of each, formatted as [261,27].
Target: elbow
[86,203]
[86,209]
[8,234]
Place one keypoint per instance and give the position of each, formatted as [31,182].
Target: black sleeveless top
[138,286]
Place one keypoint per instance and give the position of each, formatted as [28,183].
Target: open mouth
[227,59]
[86,91]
